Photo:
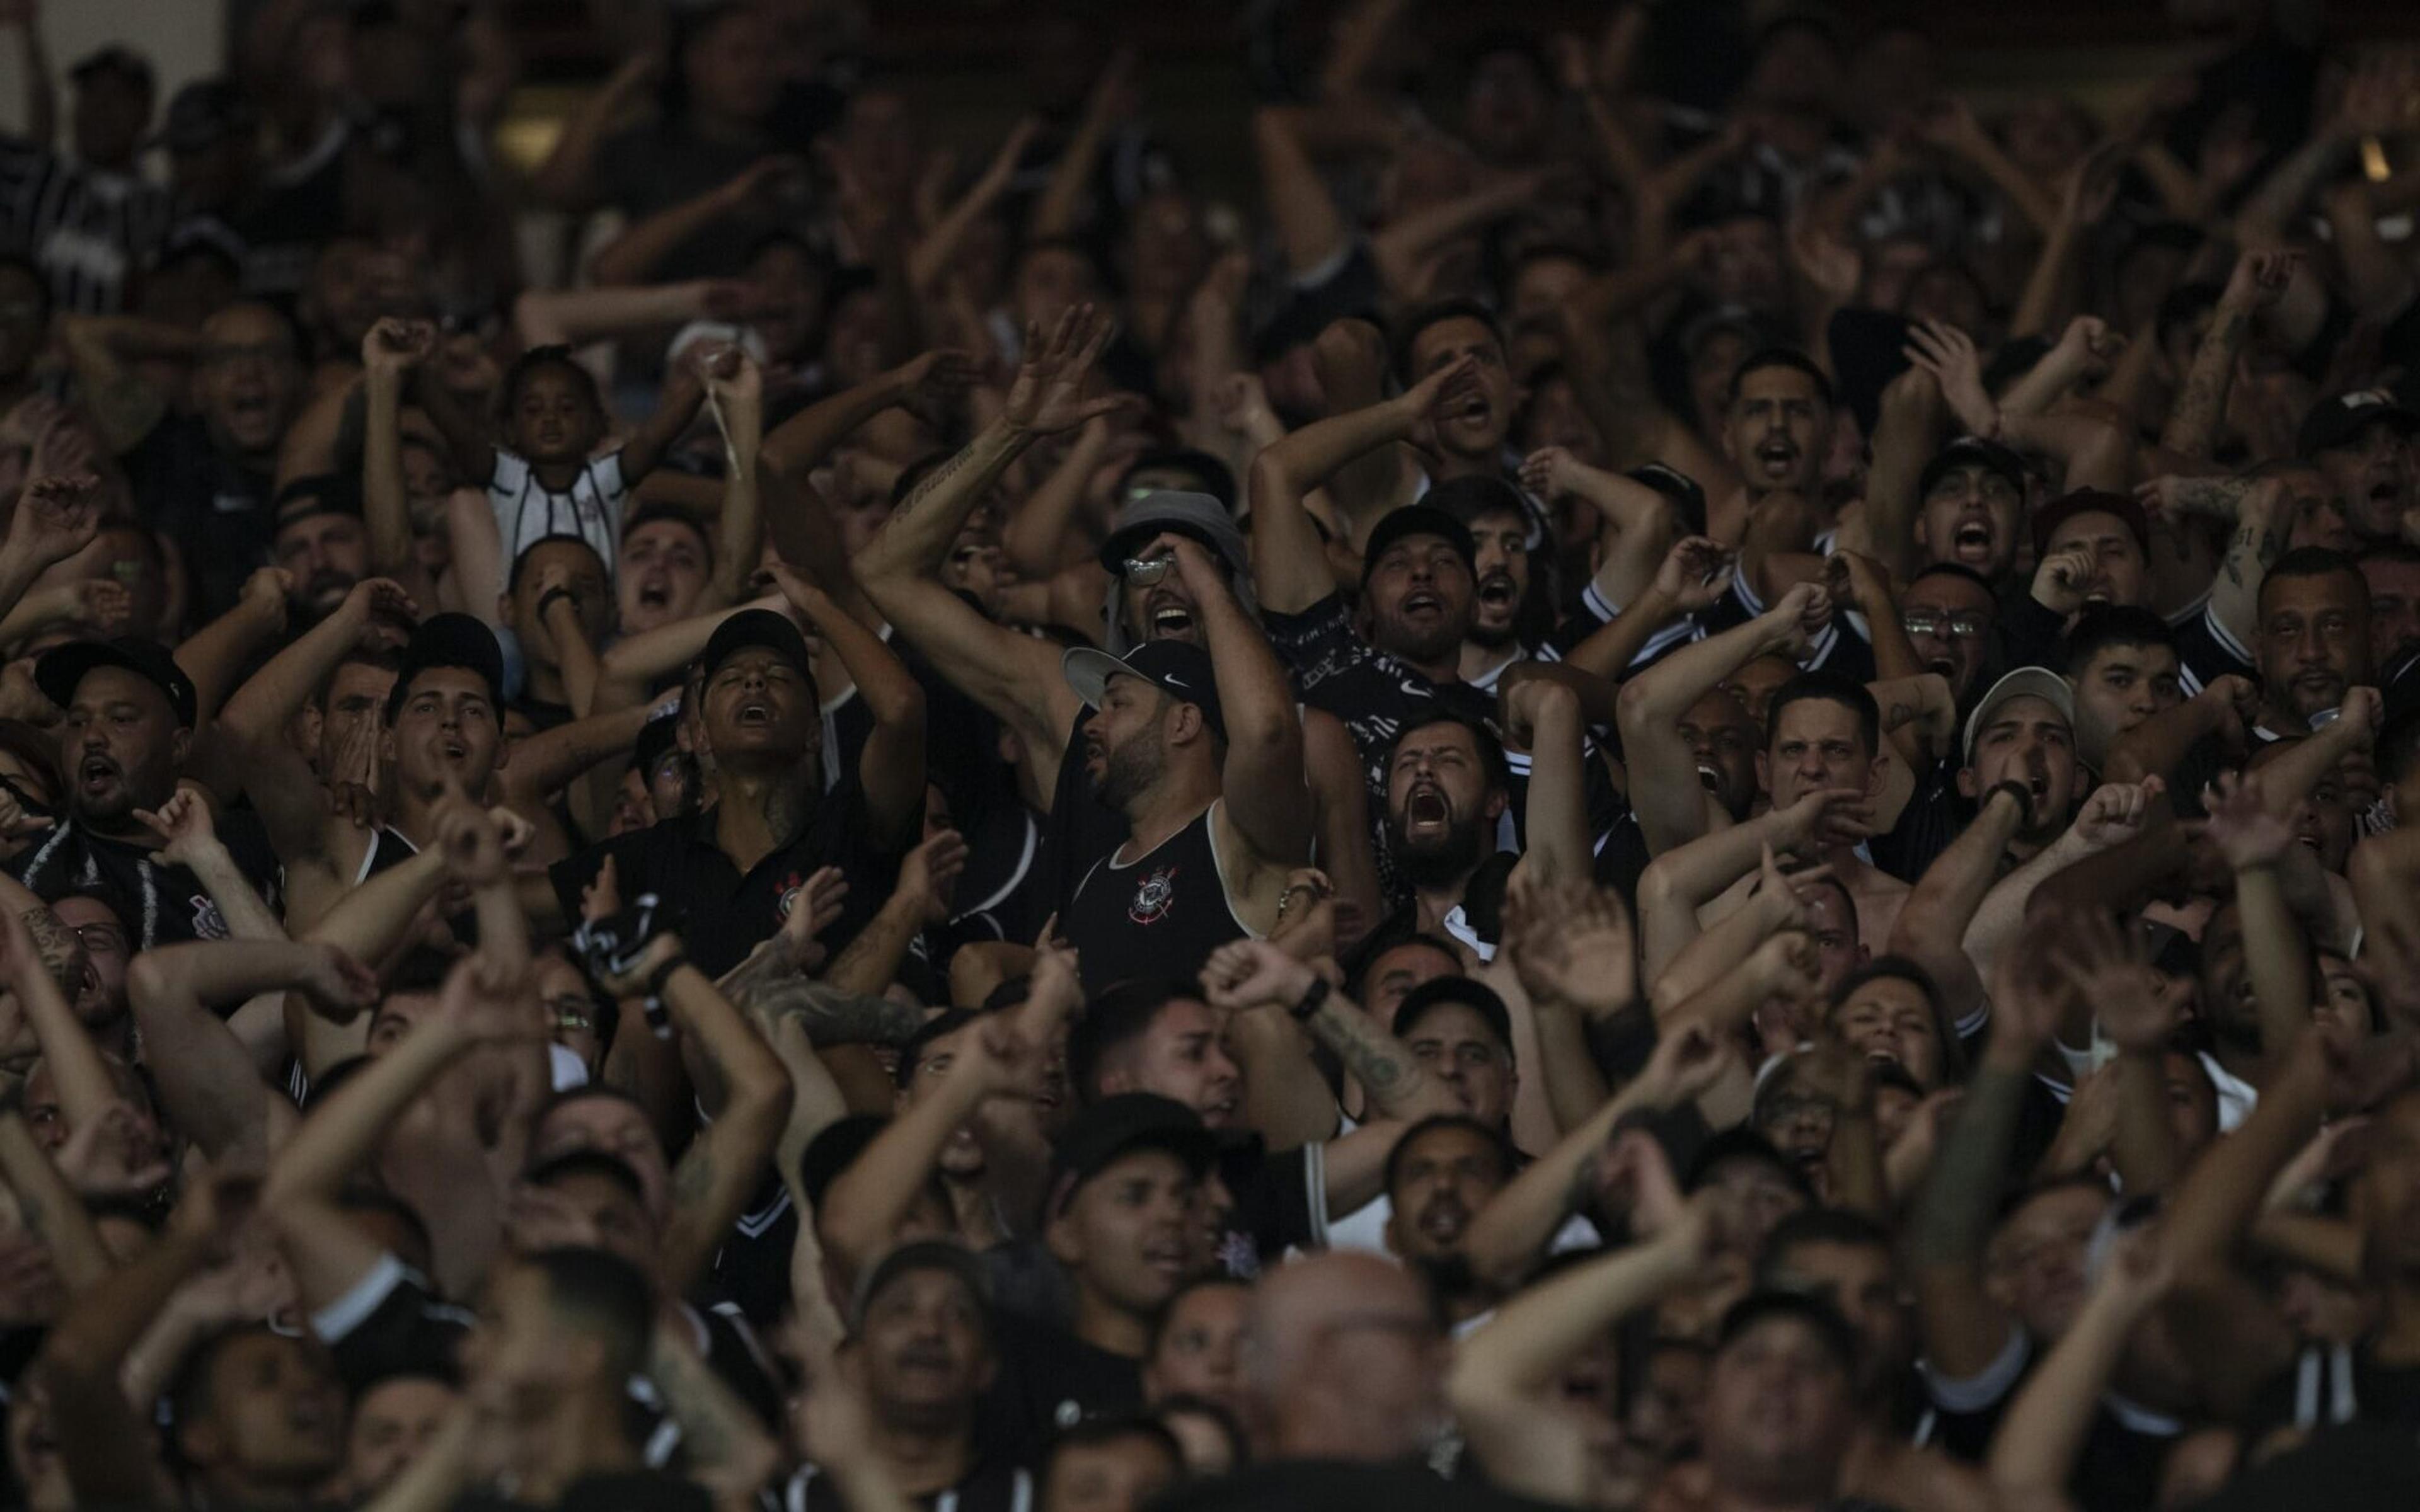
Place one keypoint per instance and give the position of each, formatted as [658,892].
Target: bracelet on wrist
[1313,997]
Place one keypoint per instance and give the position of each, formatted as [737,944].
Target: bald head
[1342,1359]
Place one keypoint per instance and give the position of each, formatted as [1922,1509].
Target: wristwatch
[1313,997]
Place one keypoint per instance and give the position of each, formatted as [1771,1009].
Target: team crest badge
[791,886]
[1153,897]
[209,923]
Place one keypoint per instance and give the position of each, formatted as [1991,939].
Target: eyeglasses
[1145,573]
[570,1013]
[1964,626]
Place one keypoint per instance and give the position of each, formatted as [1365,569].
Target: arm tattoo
[1378,1060]
[1900,714]
[932,481]
[62,953]
[2193,426]
[835,1017]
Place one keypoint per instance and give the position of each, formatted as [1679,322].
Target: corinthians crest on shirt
[1153,897]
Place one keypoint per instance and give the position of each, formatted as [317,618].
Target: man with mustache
[322,544]
[1442,1172]
[1448,784]
[131,712]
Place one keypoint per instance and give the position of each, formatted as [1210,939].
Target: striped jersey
[88,229]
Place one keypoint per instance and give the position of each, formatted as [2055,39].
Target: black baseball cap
[118,59]
[1417,520]
[1097,1136]
[1179,667]
[2333,422]
[1972,452]
[1438,992]
[59,670]
[450,639]
[202,115]
[1688,496]
[1838,1338]
[945,1254]
[757,627]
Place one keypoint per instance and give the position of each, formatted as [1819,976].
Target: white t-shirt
[527,512]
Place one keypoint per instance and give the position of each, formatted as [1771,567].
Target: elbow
[148,982]
[1634,703]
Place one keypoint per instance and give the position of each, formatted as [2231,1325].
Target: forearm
[2046,287]
[652,436]
[1034,540]
[917,537]
[2158,746]
[386,509]
[739,534]
[574,658]
[2235,592]
[2093,453]
[259,709]
[551,758]
[2261,221]
[1398,1086]
[77,1067]
[2191,429]
[633,257]
[2144,1148]
[868,963]
[1289,563]
[1953,1212]
[1557,821]
[1532,1337]
[834,1016]
[1934,918]
[1610,649]
[214,656]
[343,1131]
[2002,913]
[1506,1237]
[50,1209]
[207,1083]
[2276,959]
[863,1205]
[575,316]
[372,918]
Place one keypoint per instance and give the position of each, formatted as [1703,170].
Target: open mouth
[1444,1220]
[1422,603]
[923,1357]
[1171,621]
[2039,786]
[1222,1113]
[454,752]
[1944,666]
[755,712]
[98,772]
[1776,456]
[1167,1258]
[1971,541]
[1424,808]
[1497,591]
[1709,777]
[655,593]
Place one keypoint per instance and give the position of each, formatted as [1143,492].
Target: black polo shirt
[724,914]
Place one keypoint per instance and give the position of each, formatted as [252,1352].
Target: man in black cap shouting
[1200,750]
[2363,442]
[129,727]
[737,867]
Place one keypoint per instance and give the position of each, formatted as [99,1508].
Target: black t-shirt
[215,507]
[159,905]
[2332,1386]
[2117,1471]
[727,914]
[1049,1380]
[992,1485]
[636,1490]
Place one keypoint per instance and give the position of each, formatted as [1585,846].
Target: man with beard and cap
[1016,677]
[1200,751]
[2363,442]
[321,543]
[130,729]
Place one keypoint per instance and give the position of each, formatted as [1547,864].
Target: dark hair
[2315,561]
[1161,1319]
[1908,970]
[1818,1225]
[603,1294]
[911,1055]
[2102,625]
[1788,357]
[1385,939]
[1494,1138]
[190,1394]
[521,558]
[576,1162]
[650,514]
[1821,684]
[1112,1021]
[1098,1432]
[2402,553]
[1218,479]
[1963,574]
[527,364]
[385,658]
[1408,330]
[1492,764]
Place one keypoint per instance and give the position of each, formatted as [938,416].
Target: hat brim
[60,670]
[2025,681]
[1088,670]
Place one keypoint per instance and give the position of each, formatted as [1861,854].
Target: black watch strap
[1315,995]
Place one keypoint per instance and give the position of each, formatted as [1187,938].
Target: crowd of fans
[1676,787]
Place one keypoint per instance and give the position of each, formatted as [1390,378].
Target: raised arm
[1062,201]
[1932,925]
[633,257]
[31,938]
[2034,1453]
[930,259]
[566,179]
[1664,787]
[1267,800]
[1289,563]
[683,392]
[892,766]
[1311,232]
[739,539]
[389,352]
[2276,956]
[1964,1328]
[1633,521]
[2256,283]
[207,1085]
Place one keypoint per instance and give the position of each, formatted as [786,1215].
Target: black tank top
[1157,916]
